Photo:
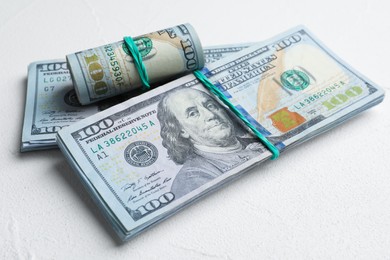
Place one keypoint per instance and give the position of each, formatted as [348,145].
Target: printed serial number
[318,95]
[128,133]
[114,64]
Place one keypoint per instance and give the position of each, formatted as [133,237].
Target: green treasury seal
[144,45]
[295,80]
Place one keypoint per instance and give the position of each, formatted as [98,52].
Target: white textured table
[328,198]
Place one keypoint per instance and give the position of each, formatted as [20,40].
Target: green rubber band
[210,86]
[130,44]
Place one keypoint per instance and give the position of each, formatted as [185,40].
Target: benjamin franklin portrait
[199,134]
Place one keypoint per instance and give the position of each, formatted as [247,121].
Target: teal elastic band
[137,61]
[210,86]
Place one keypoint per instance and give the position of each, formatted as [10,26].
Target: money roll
[109,70]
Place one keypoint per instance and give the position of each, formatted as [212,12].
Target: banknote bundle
[109,70]
[148,157]
[52,103]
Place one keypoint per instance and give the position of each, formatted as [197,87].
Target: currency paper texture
[51,104]
[293,87]
[147,158]
[109,70]
[51,101]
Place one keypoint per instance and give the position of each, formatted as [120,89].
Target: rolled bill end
[80,85]
[109,70]
[197,45]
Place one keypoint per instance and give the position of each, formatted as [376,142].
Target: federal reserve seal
[71,99]
[141,154]
[295,80]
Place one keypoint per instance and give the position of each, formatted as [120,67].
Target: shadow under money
[18,142]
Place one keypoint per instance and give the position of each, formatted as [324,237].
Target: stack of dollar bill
[52,103]
[148,157]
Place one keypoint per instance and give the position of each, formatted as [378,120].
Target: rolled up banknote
[147,158]
[51,102]
[109,70]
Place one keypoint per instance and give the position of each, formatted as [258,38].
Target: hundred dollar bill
[109,70]
[292,87]
[147,158]
[121,154]
[51,104]
[51,101]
